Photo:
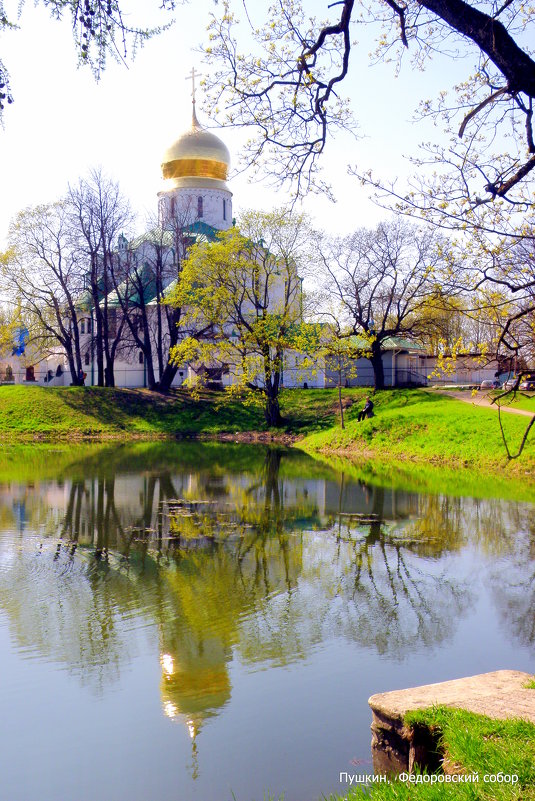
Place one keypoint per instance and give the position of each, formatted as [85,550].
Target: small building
[463,369]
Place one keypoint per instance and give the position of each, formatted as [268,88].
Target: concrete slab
[501,694]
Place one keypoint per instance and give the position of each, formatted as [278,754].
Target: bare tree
[382,280]
[101,29]
[287,83]
[510,273]
[99,213]
[42,273]
[143,275]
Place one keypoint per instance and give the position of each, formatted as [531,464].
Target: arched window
[86,358]
[224,209]
[82,327]
[141,357]
[173,206]
[89,325]
[199,207]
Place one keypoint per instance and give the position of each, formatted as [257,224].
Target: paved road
[482,398]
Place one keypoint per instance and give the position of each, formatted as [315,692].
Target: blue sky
[63,123]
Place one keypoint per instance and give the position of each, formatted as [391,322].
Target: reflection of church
[195,683]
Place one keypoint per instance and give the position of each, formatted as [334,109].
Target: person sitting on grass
[366,411]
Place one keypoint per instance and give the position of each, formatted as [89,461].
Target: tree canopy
[287,83]
[243,299]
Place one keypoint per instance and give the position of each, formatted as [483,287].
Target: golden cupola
[198,159]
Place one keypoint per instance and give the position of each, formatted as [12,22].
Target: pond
[188,621]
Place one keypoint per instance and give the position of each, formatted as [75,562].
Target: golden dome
[198,158]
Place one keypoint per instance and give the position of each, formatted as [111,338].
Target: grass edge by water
[468,744]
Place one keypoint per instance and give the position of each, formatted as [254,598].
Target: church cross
[191,77]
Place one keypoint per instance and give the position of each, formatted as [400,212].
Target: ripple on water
[67,607]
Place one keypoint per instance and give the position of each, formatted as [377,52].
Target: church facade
[194,205]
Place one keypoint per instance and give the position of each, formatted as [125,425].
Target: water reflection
[514,589]
[225,553]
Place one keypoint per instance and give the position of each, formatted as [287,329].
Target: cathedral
[194,205]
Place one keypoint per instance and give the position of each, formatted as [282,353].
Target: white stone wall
[130,373]
[300,370]
[216,206]
[45,369]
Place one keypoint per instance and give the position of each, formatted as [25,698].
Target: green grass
[433,479]
[95,411]
[469,744]
[413,426]
[426,427]
[80,411]
[520,400]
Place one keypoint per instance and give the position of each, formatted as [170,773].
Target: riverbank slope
[427,427]
[411,426]
[55,413]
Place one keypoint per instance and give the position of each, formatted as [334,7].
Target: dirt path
[482,399]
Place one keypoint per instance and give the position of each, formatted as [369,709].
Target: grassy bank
[418,476]
[468,744]
[412,426]
[424,427]
[66,412]
[99,412]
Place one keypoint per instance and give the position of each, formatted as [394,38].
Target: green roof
[199,231]
[389,343]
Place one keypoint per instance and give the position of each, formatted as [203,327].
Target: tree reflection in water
[514,590]
[262,563]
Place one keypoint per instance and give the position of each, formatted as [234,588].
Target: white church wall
[34,368]
[301,371]
[215,208]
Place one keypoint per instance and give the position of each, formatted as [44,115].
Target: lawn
[59,412]
[96,411]
[409,425]
[468,744]
[517,400]
[425,427]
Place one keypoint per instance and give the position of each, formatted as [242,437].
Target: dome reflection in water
[212,618]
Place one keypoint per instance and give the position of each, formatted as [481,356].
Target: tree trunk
[99,343]
[340,397]
[149,371]
[72,369]
[167,375]
[109,376]
[376,360]
[272,412]
[167,378]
